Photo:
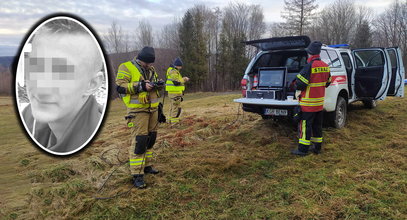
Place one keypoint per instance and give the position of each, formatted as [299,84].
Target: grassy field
[215,165]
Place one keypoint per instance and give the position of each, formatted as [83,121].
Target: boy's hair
[64,26]
[70,27]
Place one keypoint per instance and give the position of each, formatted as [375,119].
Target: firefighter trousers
[310,129]
[143,128]
[175,108]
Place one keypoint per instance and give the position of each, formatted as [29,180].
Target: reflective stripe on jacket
[129,76]
[316,77]
[173,75]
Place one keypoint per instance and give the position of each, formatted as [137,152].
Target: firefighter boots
[301,151]
[150,170]
[316,149]
[138,181]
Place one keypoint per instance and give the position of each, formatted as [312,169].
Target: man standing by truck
[312,81]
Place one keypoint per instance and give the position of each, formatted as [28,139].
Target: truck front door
[396,87]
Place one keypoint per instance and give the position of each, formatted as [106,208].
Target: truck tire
[338,117]
[371,104]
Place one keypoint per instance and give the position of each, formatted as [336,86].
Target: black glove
[120,90]
[143,85]
[159,84]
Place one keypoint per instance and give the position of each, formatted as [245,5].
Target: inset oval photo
[61,85]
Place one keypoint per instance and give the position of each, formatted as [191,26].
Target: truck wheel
[338,117]
[370,103]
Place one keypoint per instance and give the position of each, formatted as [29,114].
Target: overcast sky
[17,17]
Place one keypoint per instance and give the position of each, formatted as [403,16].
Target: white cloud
[17,17]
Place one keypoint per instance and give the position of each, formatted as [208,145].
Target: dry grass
[216,166]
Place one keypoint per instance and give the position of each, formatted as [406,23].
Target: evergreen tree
[193,49]
[185,36]
[232,59]
[232,52]
[224,61]
[200,62]
[239,60]
[363,37]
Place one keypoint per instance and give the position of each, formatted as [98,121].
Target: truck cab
[365,74]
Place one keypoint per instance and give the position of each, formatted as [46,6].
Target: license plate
[276,112]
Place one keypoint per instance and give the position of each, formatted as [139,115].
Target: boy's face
[57,75]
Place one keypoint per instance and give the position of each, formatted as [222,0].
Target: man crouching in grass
[62,72]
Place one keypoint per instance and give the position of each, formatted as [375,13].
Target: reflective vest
[169,85]
[312,98]
[131,100]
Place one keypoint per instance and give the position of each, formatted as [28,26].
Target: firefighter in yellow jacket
[175,88]
[138,86]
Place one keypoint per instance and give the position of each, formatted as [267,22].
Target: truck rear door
[280,43]
[372,73]
[396,87]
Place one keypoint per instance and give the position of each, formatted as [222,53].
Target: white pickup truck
[366,74]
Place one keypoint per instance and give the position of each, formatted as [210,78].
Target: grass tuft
[218,165]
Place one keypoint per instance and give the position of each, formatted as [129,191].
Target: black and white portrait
[61,85]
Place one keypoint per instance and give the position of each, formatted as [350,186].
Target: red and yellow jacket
[312,81]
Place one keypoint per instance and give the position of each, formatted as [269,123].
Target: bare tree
[364,13]
[277,29]
[233,54]
[335,23]
[403,31]
[257,27]
[362,36]
[236,20]
[246,22]
[298,15]
[213,30]
[127,42]
[169,36]
[390,27]
[119,47]
[144,34]
[114,38]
